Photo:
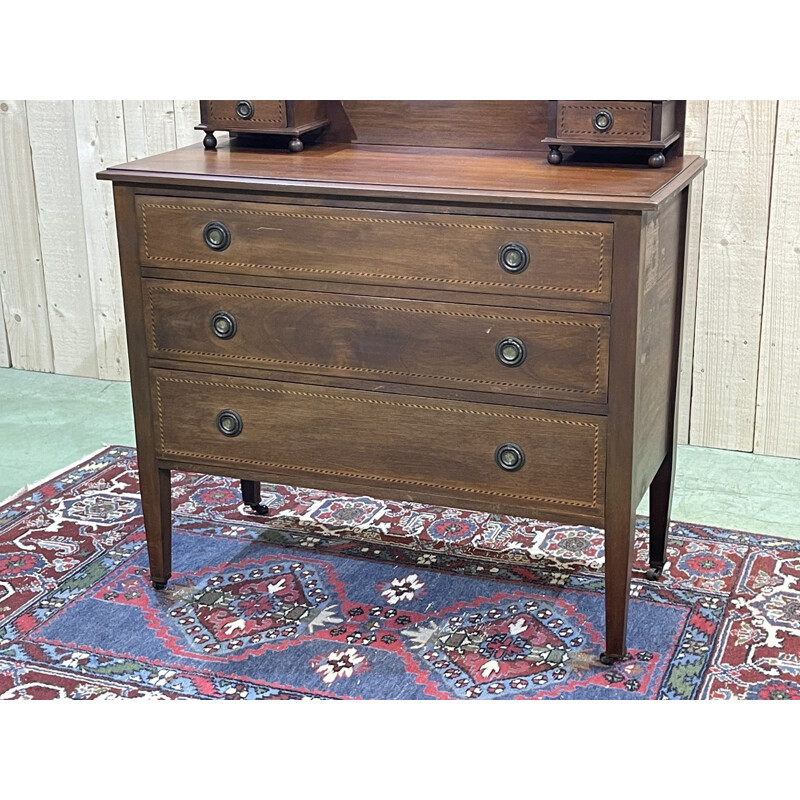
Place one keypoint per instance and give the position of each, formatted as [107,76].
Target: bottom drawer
[474,455]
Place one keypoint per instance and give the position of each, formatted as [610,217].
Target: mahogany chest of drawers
[463,327]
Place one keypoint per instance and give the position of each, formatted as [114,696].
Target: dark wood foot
[555,156]
[157,513]
[657,160]
[295,145]
[619,541]
[251,496]
[210,141]
[608,660]
[660,509]
[654,572]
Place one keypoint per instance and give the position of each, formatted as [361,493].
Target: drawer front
[476,348]
[625,120]
[263,114]
[404,443]
[543,258]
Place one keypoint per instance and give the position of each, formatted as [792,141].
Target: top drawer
[488,255]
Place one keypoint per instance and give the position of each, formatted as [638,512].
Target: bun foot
[295,145]
[555,156]
[210,141]
[657,160]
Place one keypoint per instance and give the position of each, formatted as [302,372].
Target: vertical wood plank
[21,278]
[149,127]
[740,143]
[695,144]
[778,404]
[61,233]
[100,132]
[5,354]
[187,115]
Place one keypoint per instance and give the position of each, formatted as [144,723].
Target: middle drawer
[479,348]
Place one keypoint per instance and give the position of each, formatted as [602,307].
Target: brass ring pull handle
[509,457]
[603,120]
[510,351]
[244,109]
[229,423]
[216,235]
[514,257]
[223,325]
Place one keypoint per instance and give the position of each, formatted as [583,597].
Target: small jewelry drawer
[226,114]
[605,119]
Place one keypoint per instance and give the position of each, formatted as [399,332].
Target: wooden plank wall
[60,298]
[60,293]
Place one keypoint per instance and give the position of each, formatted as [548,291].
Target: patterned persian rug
[352,597]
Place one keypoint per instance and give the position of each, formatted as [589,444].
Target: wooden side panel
[778,405]
[660,294]
[149,127]
[61,232]
[731,275]
[187,115]
[101,142]
[21,276]
[695,144]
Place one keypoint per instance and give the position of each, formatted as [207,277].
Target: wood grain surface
[408,172]
[100,136]
[736,203]
[567,259]
[65,263]
[385,340]
[777,424]
[21,276]
[283,425]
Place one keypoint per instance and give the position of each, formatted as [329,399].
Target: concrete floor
[48,422]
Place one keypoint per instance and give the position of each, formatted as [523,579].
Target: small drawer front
[469,451]
[486,255]
[226,114]
[610,120]
[451,345]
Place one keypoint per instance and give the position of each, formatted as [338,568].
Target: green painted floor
[48,422]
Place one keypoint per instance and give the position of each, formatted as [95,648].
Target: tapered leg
[251,496]
[660,509]
[620,527]
[157,511]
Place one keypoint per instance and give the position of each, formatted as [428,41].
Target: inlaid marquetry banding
[377,478]
[600,235]
[411,310]
[645,122]
[279,119]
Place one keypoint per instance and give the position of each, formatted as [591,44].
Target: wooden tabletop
[417,173]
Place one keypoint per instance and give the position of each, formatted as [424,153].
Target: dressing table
[418,307]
